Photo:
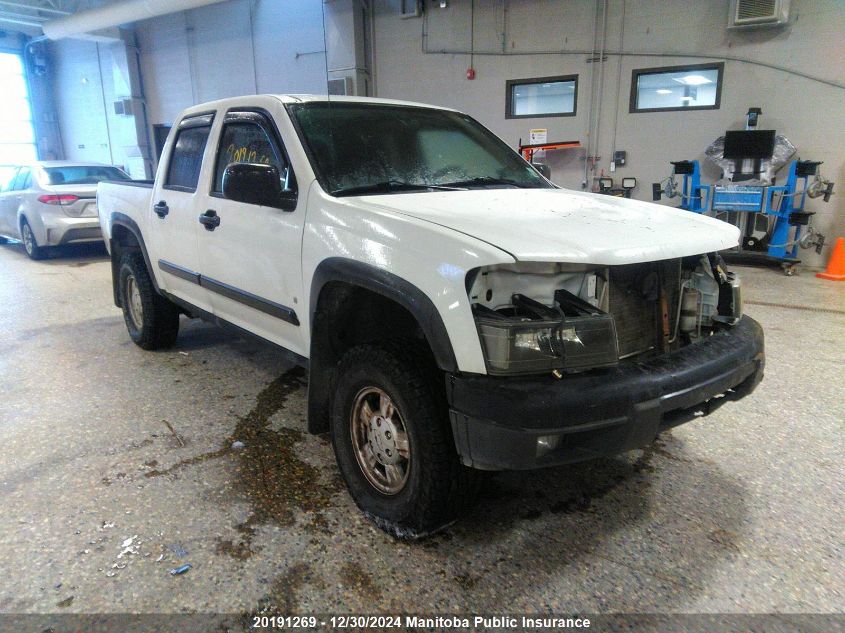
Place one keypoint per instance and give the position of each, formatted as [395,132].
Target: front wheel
[393,443]
[152,320]
[30,244]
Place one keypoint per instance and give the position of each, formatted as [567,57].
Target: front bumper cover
[496,421]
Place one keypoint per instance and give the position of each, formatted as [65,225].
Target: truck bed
[130,198]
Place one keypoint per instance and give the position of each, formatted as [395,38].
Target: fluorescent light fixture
[686,98]
[693,80]
[663,91]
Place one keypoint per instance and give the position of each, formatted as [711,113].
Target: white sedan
[50,203]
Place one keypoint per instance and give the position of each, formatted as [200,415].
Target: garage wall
[77,92]
[222,50]
[250,46]
[517,32]
[228,49]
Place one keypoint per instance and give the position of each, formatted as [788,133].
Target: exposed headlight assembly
[573,336]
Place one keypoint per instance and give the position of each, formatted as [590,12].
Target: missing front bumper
[532,422]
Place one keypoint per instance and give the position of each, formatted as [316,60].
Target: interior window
[244,142]
[183,171]
[696,87]
[545,96]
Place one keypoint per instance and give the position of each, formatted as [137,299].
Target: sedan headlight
[514,346]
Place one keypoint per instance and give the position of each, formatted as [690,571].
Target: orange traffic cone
[836,265]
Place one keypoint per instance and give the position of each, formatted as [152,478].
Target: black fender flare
[388,285]
[121,219]
[391,287]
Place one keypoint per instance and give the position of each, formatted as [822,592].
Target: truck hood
[561,225]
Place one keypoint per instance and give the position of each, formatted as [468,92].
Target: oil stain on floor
[279,485]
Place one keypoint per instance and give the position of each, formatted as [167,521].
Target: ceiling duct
[79,25]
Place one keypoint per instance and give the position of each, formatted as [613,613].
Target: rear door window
[183,170]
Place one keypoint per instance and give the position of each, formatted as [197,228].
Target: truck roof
[308,98]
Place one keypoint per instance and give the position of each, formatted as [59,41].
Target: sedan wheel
[30,244]
[28,238]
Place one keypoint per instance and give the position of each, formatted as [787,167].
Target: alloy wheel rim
[136,307]
[380,441]
[28,238]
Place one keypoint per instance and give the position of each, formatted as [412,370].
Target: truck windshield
[83,174]
[368,149]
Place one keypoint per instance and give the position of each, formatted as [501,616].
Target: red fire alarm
[470,73]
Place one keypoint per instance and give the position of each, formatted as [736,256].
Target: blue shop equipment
[772,217]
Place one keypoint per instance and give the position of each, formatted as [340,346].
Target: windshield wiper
[488,180]
[391,186]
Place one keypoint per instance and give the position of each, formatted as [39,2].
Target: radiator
[638,317]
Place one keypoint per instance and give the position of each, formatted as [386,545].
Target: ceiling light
[686,98]
[693,80]
[663,91]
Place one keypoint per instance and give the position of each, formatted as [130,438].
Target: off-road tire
[159,319]
[438,487]
[30,244]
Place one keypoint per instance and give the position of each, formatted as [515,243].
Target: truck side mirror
[256,183]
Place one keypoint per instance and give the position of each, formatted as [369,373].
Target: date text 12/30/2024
[429,622]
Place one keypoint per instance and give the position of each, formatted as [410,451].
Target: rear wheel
[30,244]
[393,443]
[152,320]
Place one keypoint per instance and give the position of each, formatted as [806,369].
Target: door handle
[161,209]
[210,220]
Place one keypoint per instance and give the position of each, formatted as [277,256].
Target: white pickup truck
[456,311]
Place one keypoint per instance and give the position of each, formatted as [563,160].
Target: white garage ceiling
[27,16]
[88,19]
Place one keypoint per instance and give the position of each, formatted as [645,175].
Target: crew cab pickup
[456,311]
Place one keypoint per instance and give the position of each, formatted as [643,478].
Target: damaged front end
[538,317]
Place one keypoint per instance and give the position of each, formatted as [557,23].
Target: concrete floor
[117,467]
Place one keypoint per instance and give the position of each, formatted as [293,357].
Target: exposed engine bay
[535,317]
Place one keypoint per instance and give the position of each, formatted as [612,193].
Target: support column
[347,47]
